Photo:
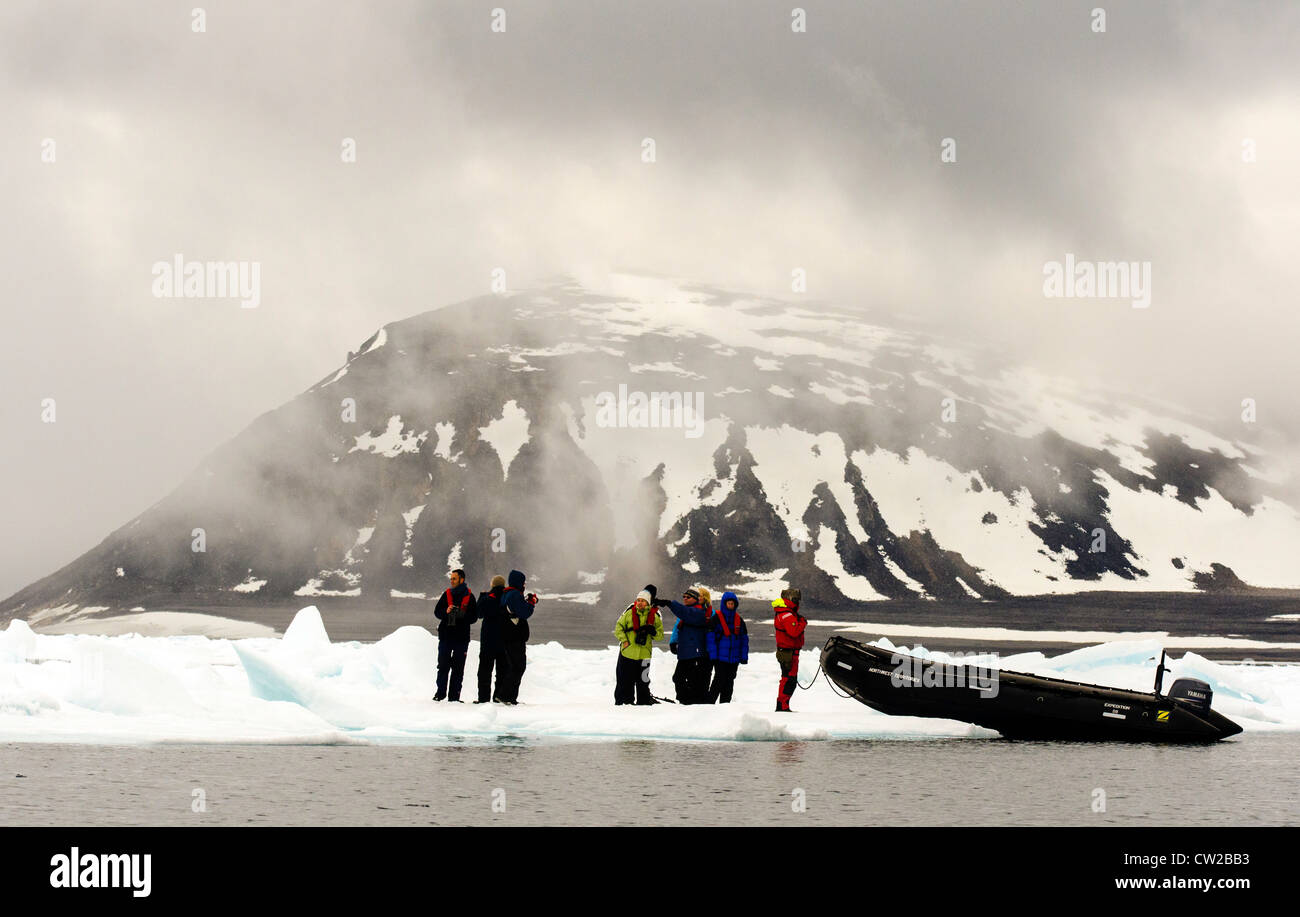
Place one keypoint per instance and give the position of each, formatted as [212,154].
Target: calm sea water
[1247,781]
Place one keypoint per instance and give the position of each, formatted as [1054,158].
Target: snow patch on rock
[508,433]
[392,442]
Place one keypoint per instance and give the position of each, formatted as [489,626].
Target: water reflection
[790,753]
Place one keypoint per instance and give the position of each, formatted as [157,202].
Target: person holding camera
[455,612]
[518,606]
[637,629]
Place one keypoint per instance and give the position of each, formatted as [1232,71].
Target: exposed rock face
[1219,579]
[859,461]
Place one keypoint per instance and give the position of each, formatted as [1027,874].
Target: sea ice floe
[303,688]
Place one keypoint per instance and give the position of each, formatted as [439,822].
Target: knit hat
[498,580]
[654,593]
[645,595]
[690,593]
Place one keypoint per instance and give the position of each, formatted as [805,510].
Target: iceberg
[304,688]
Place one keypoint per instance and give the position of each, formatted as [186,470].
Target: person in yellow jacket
[637,629]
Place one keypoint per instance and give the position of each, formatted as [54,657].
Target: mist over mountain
[795,443]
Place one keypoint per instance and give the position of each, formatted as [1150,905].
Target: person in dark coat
[691,676]
[491,650]
[728,648]
[514,634]
[455,612]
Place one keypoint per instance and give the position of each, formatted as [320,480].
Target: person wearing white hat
[637,629]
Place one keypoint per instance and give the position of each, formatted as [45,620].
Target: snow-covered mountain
[861,461]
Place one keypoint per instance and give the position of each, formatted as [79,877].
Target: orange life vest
[722,620]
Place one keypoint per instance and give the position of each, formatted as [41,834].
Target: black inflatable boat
[1023,706]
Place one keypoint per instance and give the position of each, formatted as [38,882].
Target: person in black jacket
[514,634]
[491,649]
[455,611]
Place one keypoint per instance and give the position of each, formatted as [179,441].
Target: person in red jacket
[790,626]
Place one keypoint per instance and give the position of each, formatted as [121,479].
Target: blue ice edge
[272,682]
[484,738]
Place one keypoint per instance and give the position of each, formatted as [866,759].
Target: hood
[515,580]
[729,596]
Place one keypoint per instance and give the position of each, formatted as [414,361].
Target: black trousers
[516,659]
[632,676]
[691,679]
[724,679]
[492,656]
[451,661]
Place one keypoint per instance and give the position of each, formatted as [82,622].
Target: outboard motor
[1193,692]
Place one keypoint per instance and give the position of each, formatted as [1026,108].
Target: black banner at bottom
[563,864]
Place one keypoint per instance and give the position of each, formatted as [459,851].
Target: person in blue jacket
[691,634]
[514,634]
[728,648]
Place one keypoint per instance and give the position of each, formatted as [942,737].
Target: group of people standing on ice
[504,610]
[710,645]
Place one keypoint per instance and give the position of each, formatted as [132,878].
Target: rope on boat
[814,678]
[830,681]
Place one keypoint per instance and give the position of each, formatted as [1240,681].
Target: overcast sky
[522,150]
